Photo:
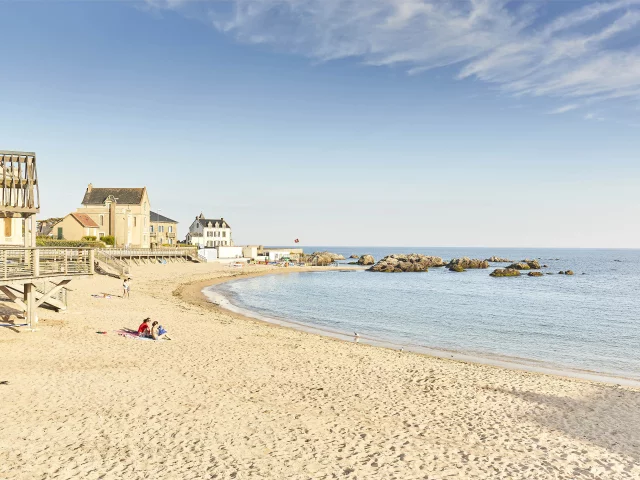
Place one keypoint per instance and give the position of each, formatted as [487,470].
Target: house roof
[205,221]
[123,196]
[84,220]
[157,218]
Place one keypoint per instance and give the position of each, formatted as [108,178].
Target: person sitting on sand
[144,329]
[157,331]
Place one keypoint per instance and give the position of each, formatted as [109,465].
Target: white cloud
[564,109]
[590,52]
[593,116]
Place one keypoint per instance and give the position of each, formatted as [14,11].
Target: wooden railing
[119,266]
[152,252]
[31,263]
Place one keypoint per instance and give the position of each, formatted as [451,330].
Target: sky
[339,122]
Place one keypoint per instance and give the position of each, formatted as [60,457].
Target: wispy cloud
[588,52]
[593,116]
[564,109]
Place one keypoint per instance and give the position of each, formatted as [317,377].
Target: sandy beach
[231,397]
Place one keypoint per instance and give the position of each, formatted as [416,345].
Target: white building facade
[209,233]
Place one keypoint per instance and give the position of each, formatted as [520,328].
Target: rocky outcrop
[505,272]
[354,256]
[526,265]
[466,262]
[412,262]
[519,266]
[366,260]
[495,259]
[333,256]
[535,274]
[566,272]
[456,268]
[319,259]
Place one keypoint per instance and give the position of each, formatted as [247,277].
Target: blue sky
[339,122]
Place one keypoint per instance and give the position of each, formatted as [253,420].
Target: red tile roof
[85,220]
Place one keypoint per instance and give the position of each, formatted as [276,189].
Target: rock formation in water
[353,256]
[466,262]
[535,274]
[498,260]
[505,272]
[412,262]
[526,265]
[366,260]
[333,256]
[319,259]
[456,268]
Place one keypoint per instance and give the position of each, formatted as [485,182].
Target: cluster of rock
[412,262]
[366,260]
[525,265]
[495,259]
[461,264]
[535,274]
[566,272]
[505,272]
[334,256]
[354,256]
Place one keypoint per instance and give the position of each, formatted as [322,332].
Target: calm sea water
[587,322]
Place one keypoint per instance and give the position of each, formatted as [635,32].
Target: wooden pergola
[23,268]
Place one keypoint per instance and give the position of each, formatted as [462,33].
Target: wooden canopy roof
[20,193]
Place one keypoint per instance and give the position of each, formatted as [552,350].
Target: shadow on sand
[609,417]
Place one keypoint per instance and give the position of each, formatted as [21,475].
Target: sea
[585,325]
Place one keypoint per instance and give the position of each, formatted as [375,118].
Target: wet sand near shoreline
[231,397]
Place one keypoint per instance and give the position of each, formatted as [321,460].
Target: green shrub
[52,242]
[109,240]
[89,238]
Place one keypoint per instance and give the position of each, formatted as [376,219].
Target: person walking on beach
[126,287]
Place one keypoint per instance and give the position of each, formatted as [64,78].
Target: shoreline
[193,293]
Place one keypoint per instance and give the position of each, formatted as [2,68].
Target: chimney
[89,188]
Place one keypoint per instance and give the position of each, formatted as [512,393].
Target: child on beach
[126,287]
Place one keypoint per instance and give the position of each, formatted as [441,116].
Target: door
[59,233]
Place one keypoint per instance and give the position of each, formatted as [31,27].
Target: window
[160,228]
[224,234]
[170,228]
[135,221]
[171,241]
[209,244]
[101,234]
[209,234]
[151,229]
[7,227]
[60,237]
[101,220]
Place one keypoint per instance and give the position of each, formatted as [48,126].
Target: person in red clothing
[144,330]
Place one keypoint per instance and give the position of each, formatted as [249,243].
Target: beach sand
[231,397]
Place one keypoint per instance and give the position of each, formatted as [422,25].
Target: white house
[209,232]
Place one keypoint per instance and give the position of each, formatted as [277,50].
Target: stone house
[163,230]
[75,226]
[124,213]
[209,232]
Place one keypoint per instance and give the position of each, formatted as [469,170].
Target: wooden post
[92,258]
[29,301]
[36,262]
